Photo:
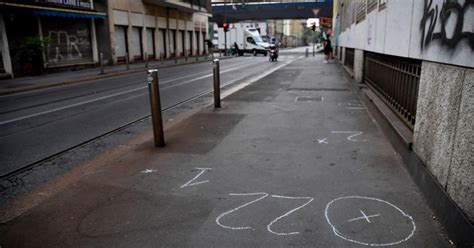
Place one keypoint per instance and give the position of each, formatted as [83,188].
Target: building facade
[47,34]
[44,35]
[417,56]
[152,29]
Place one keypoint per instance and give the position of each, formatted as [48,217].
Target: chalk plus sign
[364,216]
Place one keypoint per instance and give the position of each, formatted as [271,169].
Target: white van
[248,40]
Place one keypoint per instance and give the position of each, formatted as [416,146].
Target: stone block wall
[444,133]
[358,65]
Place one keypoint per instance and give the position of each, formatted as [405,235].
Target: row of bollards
[155,101]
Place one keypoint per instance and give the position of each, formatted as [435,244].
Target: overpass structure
[235,11]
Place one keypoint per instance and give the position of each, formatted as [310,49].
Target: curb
[95,77]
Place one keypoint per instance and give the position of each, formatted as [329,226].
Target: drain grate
[308,99]
[317,89]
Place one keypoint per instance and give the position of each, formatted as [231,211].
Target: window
[250,40]
[360,10]
[382,4]
[371,5]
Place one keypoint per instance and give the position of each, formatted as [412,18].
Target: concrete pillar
[144,38]
[358,65]
[129,38]
[113,45]
[443,132]
[343,55]
[95,51]
[156,38]
[7,62]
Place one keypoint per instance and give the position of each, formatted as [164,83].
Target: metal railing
[349,58]
[396,80]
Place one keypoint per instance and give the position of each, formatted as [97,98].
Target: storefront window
[68,40]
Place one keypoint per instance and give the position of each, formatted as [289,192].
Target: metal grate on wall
[396,80]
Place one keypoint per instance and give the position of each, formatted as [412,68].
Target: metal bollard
[306,53]
[127,61]
[101,58]
[175,56]
[313,49]
[146,60]
[217,84]
[155,106]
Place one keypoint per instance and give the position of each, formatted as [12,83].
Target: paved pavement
[292,160]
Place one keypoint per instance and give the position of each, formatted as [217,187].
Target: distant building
[289,32]
[153,28]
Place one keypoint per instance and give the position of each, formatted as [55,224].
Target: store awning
[59,12]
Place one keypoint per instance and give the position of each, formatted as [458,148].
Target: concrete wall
[406,28]
[444,134]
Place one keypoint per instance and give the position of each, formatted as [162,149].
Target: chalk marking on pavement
[355,133]
[146,171]
[364,216]
[218,219]
[190,182]
[355,108]
[341,235]
[323,141]
[288,213]
[113,95]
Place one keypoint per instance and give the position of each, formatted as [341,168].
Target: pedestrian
[327,49]
[237,50]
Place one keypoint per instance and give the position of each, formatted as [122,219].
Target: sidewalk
[292,160]
[21,84]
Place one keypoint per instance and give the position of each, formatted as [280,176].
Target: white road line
[113,95]
[196,74]
[71,105]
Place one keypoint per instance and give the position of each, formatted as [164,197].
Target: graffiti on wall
[66,46]
[449,35]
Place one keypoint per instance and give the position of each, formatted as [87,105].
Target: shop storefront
[47,34]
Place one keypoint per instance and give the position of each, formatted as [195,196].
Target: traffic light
[225,26]
[325,22]
[313,27]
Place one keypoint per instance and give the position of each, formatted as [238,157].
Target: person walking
[327,49]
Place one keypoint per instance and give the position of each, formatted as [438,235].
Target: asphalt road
[37,125]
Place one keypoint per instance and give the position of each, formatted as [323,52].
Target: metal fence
[349,58]
[396,80]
